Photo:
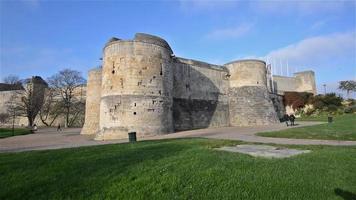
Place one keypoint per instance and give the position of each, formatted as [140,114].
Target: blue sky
[43,37]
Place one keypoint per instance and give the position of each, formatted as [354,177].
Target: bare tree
[29,101]
[52,108]
[65,83]
[13,108]
[12,79]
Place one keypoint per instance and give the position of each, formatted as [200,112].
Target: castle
[143,87]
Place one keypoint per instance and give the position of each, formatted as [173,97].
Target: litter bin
[330,119]
[132,136]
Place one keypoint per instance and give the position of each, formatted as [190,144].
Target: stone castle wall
[200,95]
[300,82]
[143,87]
[92,107]
[136,89]
[249,101]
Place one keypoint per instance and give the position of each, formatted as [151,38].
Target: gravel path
[49,138]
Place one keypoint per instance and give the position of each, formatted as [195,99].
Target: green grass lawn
[342,128]
[319,118]
[176,169]
[7,132]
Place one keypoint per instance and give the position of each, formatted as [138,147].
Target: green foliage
[175,169]
[348,86]
[329,102]
[350,109]
[343,128]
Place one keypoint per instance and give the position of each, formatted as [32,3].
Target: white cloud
[320,49]
[332,57]
[229,33]
[300,7]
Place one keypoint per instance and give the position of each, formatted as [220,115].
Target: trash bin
[330,119]
[132,136]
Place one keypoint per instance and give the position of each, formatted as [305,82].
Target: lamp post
[324,89]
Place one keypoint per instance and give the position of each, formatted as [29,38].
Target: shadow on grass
[346,195]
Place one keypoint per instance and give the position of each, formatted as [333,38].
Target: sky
[43,37]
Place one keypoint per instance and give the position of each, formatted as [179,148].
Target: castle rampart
[145,88]
[301,82]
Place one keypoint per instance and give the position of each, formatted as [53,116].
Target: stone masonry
[143,87]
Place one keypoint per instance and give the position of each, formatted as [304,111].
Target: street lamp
[324,89]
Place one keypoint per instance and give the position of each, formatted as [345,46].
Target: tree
[12,79]
[29,101]
[348,86]
[329,102]
[65,84]
[51,109]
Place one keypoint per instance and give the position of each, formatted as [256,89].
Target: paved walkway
[49,138]
[247,134]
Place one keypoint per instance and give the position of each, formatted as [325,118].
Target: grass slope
[343,128]
[176,169]
[7,132]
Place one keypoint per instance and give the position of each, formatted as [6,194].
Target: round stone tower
[249,101]
[247,73]
[136,89]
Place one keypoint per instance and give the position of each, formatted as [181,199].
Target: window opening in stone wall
[159,92]
[122,83]
[113,71]
[134,113]
[161,73]
[257,82]
[135,104]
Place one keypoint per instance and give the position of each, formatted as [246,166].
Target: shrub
[297,100]
[4,117]
[329,102]
[350,109]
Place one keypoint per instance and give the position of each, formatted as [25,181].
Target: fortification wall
[136,90]
[6,98]
[305,82]
[278,105]
[143,87]
[283,84]
[249,100]
[200,95]
[92,107]
[247,73]
[300,82]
